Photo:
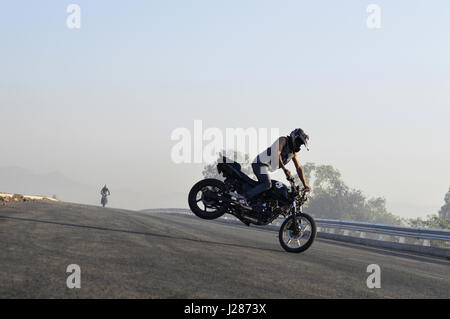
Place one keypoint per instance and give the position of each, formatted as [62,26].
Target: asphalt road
[127,254]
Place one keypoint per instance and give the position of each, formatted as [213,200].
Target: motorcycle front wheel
[203,198]
[296,239]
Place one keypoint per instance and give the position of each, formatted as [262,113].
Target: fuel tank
[279,191]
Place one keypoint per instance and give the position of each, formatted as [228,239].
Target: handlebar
[304,191]
[293,186]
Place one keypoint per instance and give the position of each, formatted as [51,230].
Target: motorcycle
[104,200]
[211,198]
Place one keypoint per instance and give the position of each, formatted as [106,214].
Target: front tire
[300,239]
[199,202]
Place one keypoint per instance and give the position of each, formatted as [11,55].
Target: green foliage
[333,199]
[441,221]
[432,221]
[444,212]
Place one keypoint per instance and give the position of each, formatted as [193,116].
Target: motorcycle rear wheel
[199,202]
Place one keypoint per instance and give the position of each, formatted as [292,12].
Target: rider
[105,191]
[277,156]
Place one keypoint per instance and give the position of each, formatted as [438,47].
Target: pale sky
[98,104]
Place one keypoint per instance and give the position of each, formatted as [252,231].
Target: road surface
[128,254]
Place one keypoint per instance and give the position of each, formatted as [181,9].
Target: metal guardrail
[401,231]
[381,229]
[427,241]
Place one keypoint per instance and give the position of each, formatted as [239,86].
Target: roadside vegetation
[332,198]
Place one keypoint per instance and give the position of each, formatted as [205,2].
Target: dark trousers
[262,173]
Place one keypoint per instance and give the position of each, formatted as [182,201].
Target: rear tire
[209,209]
[286,235]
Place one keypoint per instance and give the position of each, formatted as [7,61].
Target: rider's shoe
[242,201]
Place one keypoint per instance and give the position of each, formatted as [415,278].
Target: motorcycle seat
[236,167]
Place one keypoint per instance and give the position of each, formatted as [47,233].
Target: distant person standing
[104,192]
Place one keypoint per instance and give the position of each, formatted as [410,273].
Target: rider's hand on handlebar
[307,188]
[289,176]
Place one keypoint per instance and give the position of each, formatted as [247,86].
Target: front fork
[294,212]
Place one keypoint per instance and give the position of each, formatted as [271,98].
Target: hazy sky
[99,103]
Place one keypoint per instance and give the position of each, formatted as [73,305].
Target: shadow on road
[382,251]
[137,233]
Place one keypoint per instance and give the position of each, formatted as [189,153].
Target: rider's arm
[300,172]
[282,143]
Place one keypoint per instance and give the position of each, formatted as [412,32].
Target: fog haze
[85,107]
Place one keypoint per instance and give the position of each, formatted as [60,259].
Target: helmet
[299,138]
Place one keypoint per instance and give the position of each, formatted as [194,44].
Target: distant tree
[444,212]
[210,170]
[431,221]
[441,220]
[332,198]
